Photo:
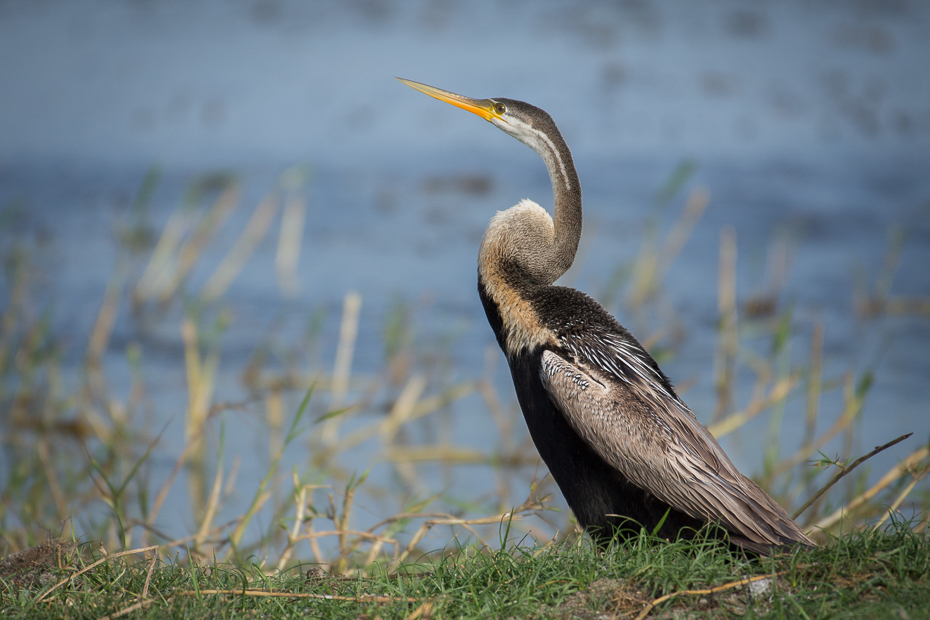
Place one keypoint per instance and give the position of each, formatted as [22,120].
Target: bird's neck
[524,249]
[566,192]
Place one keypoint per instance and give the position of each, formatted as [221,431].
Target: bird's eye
[500,108]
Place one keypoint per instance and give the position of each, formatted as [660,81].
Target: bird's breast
[515,322]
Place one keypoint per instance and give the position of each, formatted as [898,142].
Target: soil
[38,565]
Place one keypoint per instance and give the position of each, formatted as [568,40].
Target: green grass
[875,575]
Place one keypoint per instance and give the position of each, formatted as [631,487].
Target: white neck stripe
[536,143]
[555,153]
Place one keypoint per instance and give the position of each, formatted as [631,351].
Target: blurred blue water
[808,122]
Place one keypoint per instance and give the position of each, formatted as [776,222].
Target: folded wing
[614,397]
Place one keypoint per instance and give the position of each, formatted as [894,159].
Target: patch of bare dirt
[38,565]
[603,599]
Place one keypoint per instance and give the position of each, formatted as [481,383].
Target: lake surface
[808,124]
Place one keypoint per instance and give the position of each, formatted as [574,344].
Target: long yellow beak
[485,108]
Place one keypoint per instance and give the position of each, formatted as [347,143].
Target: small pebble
[760,588]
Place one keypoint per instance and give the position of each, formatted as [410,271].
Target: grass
[864,574]
[79,457]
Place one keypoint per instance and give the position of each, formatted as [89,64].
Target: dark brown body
[605,502]
[596,492]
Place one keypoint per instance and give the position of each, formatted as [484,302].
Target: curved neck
[524,247]
[566,192]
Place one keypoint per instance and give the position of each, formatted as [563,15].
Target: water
[808,123]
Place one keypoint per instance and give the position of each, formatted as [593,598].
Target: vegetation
[82,495]
[864,574]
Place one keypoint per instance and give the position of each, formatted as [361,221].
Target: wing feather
[615,397]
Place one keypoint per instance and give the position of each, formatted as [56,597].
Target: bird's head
[544,247]
[525,122]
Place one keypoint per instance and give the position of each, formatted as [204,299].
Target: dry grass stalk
[348,332]
[274,417]
[201,382]
[289,243]
[442,452]
[128,610]
[242,249]
[97,423]
[815,383]
[106,318]
[107,557]
[184,543]
[916,477]
[58,496]
[423,611]
[408,407]
[350,546]
[148,576]
[681,230]
[428,405]
[163,257]
[378,545]
[901,306]
[403,407]
[342,526]
[212,506]
[171,260]
[314,544]
[361,598]
[778,393]
[190,252]
[894,474]
[847,470]
[709,591]
[529,507]
[294,532]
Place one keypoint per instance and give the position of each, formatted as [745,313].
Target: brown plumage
[624,449]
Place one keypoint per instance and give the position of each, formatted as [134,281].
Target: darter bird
[624,449]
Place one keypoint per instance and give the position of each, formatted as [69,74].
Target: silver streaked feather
[615,400]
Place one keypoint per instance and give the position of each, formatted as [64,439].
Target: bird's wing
[627,412]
